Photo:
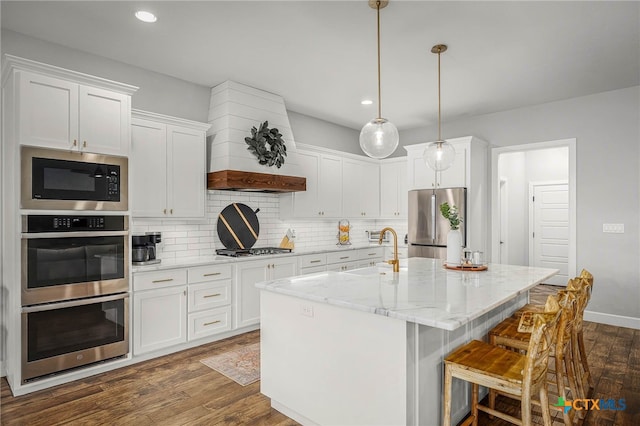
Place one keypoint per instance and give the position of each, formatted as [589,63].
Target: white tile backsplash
[187,238]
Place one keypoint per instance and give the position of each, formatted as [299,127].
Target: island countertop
[423,292]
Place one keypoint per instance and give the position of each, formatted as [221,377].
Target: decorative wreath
[269,155]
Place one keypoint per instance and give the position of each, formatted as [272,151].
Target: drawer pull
[212,322]
[344,257]
[315,261]
[211,295]
[212,274]
[162,281]
[372,254]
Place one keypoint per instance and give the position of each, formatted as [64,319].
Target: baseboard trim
[611,319]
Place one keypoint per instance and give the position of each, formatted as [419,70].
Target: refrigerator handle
[433,217]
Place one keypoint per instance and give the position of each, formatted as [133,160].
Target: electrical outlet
[306,310]
[613,228]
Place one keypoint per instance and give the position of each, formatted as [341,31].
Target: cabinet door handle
[171,211]
[212,274]
[315,261]
[164,211]
[84,144]
[212,322]
[75,143]
[162,281]
[211,295]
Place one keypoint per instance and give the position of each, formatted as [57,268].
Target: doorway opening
[535,231]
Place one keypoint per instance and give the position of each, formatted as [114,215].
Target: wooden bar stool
[523,376]
[508,334]
[583,287]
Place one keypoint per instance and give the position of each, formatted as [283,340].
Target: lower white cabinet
[159,318]
[247,296]
[178,305]
[403,252]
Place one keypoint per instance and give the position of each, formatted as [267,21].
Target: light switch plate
[613,228]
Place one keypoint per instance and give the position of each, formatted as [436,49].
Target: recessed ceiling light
[145,16]
[366,102]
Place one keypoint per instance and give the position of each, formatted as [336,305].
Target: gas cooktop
[252,251]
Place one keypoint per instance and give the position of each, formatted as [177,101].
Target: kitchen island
[366,346]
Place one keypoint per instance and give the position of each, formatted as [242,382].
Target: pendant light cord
[379,91]
[439,117]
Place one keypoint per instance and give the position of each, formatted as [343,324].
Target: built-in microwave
[64,180]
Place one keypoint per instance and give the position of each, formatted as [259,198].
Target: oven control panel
[73,223]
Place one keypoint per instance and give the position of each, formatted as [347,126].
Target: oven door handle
[40,235]
[72,303]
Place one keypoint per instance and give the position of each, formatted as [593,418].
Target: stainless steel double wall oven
[75,266]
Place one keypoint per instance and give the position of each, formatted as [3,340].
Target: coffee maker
[143,248]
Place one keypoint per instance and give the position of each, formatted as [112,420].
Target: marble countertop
[423,292]
[208,260]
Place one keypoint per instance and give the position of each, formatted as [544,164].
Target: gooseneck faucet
[395,262]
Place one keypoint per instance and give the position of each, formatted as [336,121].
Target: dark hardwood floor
[179,390]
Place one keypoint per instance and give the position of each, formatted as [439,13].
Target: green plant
[267,145]
[451,214]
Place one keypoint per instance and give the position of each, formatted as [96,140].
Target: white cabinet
[159,310]
[360,189]
[422,176]
[340,261]
[393,188]
[63,114]
[209,305]
[469,170]
[168,166]
[247,295]
[370,256]
[312,263]
[323,196]
[403,252]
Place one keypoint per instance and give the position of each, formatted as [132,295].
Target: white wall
[512,167]
[314,131]
[606,127]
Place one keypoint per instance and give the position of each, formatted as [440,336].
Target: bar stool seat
[523,376]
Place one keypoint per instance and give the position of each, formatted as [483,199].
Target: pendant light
[379,138]
[439,155]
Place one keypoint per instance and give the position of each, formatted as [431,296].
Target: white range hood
[234,109]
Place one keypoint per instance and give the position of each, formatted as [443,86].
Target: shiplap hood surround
[233,110]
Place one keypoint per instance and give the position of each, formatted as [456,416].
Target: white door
[549,230]
[104,121]
[186,177]
[148,168]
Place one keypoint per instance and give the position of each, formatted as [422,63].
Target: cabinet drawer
[341,257]
[209,295]
[312,269]
[201,274]
[310,260]
[159,279]
[207,323]
[371,253]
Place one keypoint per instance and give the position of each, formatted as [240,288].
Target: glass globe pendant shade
[439,155]
[379,138]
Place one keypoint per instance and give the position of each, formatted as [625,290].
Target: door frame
[503,229]
[495,194]
[532,186]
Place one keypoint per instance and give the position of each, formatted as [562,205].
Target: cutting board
[238,226]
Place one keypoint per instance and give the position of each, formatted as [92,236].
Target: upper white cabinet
[469,170]
[360,188]
[393,188]
[323,197]
[61,109]
[168,166]
[421,176]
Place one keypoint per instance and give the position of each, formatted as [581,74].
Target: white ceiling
[320,56]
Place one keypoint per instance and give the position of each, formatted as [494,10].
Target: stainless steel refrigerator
[427,228]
